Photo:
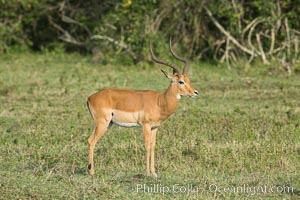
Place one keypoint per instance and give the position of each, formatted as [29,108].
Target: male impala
[129,108]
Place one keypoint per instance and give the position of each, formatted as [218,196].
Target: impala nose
[196,93]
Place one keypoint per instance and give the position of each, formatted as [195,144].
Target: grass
[242,132]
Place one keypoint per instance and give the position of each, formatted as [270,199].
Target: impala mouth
[188,95]
[193,95]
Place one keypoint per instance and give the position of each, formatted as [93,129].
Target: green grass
[243,130]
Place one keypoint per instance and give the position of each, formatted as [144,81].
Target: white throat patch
[178,96]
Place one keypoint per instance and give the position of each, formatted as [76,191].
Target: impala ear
[169,76]
[165,73]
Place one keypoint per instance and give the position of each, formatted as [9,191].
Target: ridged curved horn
[175,69]
[185,61]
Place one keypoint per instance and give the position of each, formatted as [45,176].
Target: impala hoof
[91,170]
[154,175]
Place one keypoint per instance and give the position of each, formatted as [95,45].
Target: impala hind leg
[98,132]
[153,143]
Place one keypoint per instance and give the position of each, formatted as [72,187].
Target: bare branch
[296,32]
[296,45]
[230,37]
[286,65]
[278,25]
[249,26]
[115,42]
[236,10]
[250,36]
[272,41]
[218,45]
[262,53]
[227,53]
[251,58]
[288,38]
[279,49]
[69,20]
[67,37]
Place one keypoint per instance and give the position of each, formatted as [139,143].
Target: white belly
[123,124]
[126,119]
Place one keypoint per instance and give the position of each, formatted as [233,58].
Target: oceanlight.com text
[212,188]
[249,189]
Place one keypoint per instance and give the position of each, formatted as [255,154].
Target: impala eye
[181,82]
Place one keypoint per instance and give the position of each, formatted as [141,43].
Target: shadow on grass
[133,178]
[79,171]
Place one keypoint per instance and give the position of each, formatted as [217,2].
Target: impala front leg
[153,143]
[147,141]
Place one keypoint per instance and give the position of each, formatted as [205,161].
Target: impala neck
[169,99]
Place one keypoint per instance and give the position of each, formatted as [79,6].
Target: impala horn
[185,61]
[175,69]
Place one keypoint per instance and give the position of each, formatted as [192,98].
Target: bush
[121,29]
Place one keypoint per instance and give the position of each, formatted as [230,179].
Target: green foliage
[115,31]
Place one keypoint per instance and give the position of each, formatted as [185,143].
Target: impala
[145,108]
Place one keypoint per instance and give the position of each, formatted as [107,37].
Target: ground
[239,139]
